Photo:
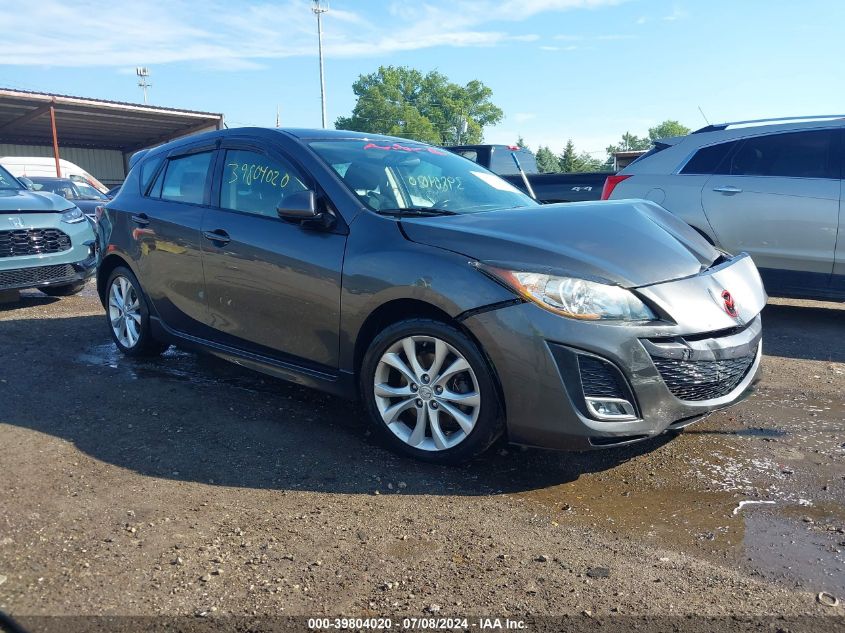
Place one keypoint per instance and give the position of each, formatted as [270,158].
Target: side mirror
[301,205]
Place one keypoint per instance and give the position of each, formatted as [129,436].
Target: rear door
[273,285]
[167,235]
[777,198]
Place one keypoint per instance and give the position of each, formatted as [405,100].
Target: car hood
[23,200]
[628,242]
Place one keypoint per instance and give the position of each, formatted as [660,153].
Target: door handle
[141,219]
[728,189]
[218,235]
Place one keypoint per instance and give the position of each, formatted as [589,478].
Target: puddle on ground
[791,550]
[685,494]
[177,364]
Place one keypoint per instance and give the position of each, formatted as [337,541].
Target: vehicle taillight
[610,184]
[514,148]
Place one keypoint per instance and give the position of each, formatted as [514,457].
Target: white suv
[771,188]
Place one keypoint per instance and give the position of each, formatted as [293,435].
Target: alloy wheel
[124,312]
[427,393]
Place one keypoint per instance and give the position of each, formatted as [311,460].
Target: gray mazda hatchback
[456,307]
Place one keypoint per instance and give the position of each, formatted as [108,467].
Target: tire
[457,404]
[130,328]
[65,290]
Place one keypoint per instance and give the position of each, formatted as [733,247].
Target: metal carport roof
[25,118]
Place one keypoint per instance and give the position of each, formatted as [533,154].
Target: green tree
[666,129]
[520,142]
[401,101]
[547,162]
[571,161]
[629,142]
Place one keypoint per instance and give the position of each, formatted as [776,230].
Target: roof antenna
[704,115]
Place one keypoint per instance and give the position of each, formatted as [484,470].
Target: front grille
[27,277]
[19,242]
[598,378]
[703,379]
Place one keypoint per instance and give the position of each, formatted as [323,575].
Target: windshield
[67,188]
[87,192]
[390,177]
[7,181]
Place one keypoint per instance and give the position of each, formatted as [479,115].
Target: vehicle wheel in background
[430,392]
[63,291]
[128,316]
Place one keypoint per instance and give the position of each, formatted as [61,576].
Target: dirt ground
[189,486]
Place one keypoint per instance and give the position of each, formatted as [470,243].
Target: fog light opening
[611,409]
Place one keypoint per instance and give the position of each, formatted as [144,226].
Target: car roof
[679,149]
[48,179]
[300,134]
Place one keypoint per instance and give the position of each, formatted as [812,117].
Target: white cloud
[522,117]
[677,14]
[243,35]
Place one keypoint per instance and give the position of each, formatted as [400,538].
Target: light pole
[143,73]
[319,11]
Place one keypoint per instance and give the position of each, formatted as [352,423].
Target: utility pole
[277,117]
[319,10]
[143,73]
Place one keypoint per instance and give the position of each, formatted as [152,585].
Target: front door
[273,286]
[778,200]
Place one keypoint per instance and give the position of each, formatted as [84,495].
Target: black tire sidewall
[146,345]
[489,425]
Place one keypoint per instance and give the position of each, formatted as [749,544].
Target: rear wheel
[430,392]
[128,316]
[65,290]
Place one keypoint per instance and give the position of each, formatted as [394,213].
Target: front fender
[382,265]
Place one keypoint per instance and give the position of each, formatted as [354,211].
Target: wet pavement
[759,488]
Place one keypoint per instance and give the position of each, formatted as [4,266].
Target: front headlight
[73,216]
[573,297]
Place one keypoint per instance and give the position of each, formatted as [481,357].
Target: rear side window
[710,160]
[469,154]
[149,168]
[794,154]
[185,178]
[501,161]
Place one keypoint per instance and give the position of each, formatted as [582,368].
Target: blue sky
[582,69]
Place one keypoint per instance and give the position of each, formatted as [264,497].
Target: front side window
[255,183]
[794,155]
[392,177]
[185,178]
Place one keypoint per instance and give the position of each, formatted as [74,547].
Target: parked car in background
[111,193]
[45,241]
[549,188]
[771,188]
[455,306]
[30,166]
[81,194]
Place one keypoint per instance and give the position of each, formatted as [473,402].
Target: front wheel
[128,316]
[430,392]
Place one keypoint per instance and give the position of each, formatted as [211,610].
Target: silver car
[771,188]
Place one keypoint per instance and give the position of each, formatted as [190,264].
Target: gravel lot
[189,486]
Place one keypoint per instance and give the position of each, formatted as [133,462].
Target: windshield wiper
[416,212]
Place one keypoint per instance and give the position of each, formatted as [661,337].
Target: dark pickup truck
[572,187]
